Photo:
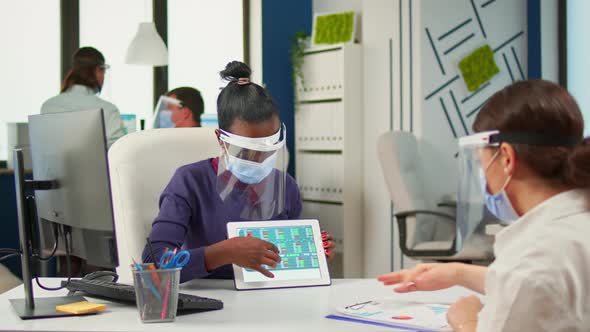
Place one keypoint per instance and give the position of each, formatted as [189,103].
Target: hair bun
[235,70]
[578,165]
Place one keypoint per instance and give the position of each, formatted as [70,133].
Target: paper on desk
[395,313]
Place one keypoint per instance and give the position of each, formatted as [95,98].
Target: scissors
[171,259]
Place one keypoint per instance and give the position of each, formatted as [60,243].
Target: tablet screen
[299,258]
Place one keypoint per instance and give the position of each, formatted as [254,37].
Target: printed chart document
[399,314]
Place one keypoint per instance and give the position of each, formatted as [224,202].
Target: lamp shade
[147,47]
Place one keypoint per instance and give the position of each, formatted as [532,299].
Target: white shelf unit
[328,142]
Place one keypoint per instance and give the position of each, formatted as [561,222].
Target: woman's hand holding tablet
[300,248]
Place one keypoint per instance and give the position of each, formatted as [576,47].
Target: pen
[151,249]
[166,297]
[150,285]
[140,284]
[155,275]
[167,292]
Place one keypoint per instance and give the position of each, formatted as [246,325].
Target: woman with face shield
[247,182]
[529,165]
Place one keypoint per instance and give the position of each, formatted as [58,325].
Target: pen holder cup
[156,293]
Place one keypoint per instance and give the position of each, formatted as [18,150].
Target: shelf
[320,126]
[328,145]
[317,101]
[322,77]
[321,202]
[319,151]
[325,182]
[330,217]
[322,48]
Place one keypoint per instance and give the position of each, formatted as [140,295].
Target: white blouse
[80,98]
[540,280]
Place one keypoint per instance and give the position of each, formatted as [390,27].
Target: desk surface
[296,309]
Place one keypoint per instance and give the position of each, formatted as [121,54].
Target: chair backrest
[418,178]
[141,164]
[398,155]
[403,162]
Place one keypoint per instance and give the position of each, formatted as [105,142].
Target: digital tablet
[303,261]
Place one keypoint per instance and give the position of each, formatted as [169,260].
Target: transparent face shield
[474,151]
[104,67]
[252,174]
[163,112]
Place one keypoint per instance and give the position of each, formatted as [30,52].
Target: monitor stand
[44,307]
[29,307]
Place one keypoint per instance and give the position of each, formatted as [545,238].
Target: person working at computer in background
[179,108]
[533,165]
[248,181]
[80,88]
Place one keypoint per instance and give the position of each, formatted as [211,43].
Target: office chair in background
[424,201]
[141,164]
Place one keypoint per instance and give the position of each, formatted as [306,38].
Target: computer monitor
[72,194]
[70,148]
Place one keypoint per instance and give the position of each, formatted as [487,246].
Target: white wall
[381,24]
[415,73]
[330,6]
[388,104]
[201,43]
[549,40]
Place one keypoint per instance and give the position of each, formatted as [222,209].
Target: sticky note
[83,307]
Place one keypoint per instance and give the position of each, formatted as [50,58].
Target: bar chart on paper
[296,245]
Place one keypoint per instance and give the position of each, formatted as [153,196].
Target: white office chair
[424,203]
[141,164]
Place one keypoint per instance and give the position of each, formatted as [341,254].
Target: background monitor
[70,147]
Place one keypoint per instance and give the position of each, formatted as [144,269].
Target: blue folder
[355,320]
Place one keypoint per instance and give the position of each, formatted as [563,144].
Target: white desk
[295,309]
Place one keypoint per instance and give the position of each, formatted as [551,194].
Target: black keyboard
[113,291]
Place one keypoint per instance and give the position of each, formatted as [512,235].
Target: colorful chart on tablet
[299,258]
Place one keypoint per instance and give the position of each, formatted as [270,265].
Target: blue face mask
[499,204]
[250,172]
[165,120]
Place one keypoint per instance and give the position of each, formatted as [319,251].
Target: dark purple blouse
[192,216]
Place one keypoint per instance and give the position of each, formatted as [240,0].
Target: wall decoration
[451,48]
[333,28]
[478,67]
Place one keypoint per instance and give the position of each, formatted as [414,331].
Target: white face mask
[499,204]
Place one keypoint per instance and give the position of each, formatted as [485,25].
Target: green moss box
[478,67]
[333,28]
